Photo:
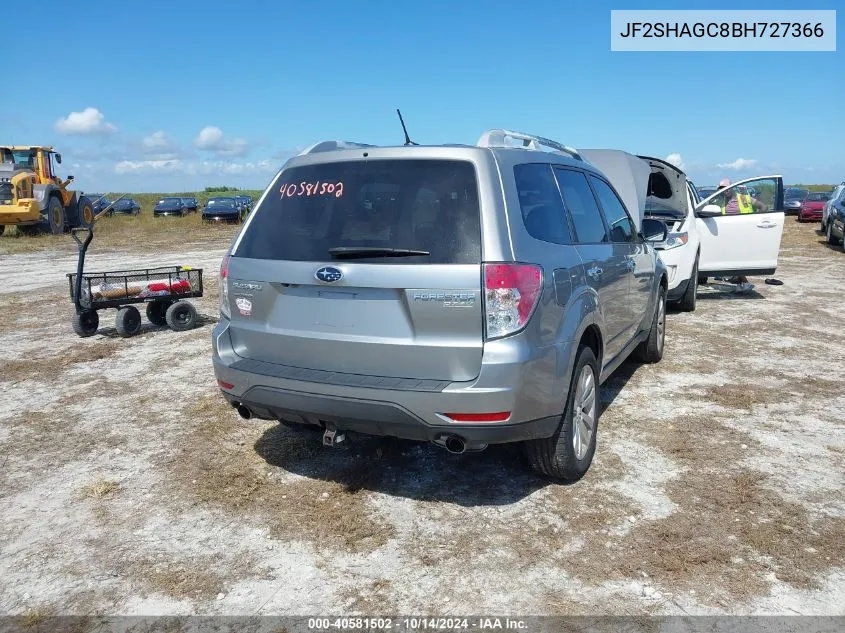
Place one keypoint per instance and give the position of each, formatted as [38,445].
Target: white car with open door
[710,237]
[703,241]
[734,242]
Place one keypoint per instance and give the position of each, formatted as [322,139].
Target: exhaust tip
[244,412]
[455,444]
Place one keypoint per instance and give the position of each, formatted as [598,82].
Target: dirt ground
[127,486]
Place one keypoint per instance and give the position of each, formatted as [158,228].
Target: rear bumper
[410,409]
[377,417]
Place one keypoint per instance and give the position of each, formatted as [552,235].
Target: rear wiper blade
[352,252]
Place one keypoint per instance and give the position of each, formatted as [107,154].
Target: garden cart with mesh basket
[164,290]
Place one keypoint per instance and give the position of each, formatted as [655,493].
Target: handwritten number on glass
[294,190]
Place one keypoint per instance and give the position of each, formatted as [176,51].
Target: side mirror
[654,230]
[70,177]
[59,159]
[710,211]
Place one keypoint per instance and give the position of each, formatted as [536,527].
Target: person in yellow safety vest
[738,202]
[734,202]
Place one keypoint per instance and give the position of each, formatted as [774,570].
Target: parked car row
[231,208]
[215,209]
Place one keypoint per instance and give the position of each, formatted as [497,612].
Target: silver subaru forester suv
[463,295]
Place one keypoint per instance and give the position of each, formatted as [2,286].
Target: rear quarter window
[427,205]
[542,207]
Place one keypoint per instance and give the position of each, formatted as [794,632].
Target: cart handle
[74,232]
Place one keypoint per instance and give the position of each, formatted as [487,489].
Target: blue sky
[164,96]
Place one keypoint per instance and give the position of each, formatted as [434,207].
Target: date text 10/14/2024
[294,190]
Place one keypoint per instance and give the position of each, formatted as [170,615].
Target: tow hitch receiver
[332,437]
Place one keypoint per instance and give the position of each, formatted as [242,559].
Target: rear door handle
[595,272]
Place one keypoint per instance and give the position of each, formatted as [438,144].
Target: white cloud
[211,139]
[89,122]
[676,160]
[202,168]
[739,164]
[140,166]
[156,140]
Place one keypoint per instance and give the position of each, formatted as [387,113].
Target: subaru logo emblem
[329,274]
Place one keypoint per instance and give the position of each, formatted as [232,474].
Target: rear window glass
[421,205]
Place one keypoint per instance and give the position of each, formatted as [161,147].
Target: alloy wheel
[584,412]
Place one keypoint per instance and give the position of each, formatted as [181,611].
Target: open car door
[741,227]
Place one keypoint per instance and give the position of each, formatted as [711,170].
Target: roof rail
[330,146]
[497,138]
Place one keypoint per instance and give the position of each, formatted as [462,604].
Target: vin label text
[720,30]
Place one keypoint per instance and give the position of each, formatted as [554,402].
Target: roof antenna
[408,140]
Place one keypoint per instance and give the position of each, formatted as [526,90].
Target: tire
[687,302]
[157,312]
[86,213]
[829,233]
[55,223]
[85,323]
[128,321]
[651,349]
[29,229]
[566,456]
[181,316]
[2,229]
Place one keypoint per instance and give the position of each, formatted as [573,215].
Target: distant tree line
[219,189]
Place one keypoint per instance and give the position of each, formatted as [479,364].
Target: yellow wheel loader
[33,197]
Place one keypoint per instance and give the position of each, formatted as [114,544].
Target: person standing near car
[736,202]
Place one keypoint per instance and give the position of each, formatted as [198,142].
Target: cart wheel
[85,323]
[182,315]
[157,312]
[128,321]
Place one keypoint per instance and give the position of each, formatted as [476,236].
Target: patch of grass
[217,464]
[40,440]
[99,489]
[34,618]
[369,597]
[730,528]
[189,579]
[26,311]
[740,396]
[48,368]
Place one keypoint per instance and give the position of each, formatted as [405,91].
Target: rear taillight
[499,416]
[224,287]
[511,292]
